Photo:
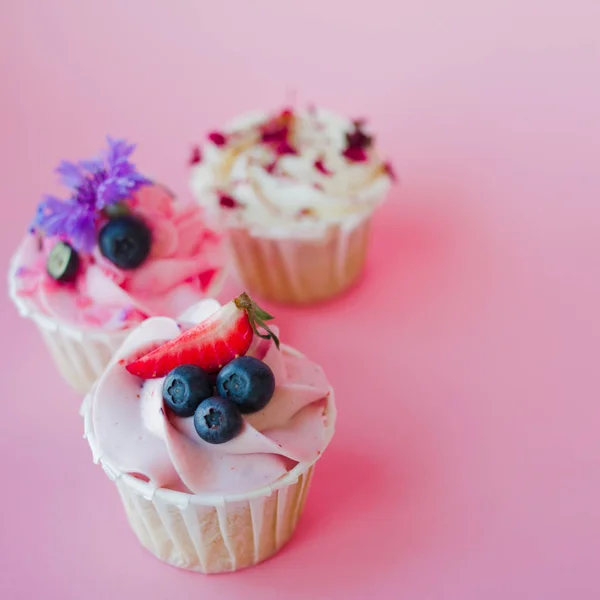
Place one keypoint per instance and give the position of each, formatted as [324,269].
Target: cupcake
[295,192]
[210,430]
[119,249]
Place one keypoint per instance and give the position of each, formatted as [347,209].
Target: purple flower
[95,184]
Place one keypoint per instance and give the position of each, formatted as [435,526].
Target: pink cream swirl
[186,257]
[130,429]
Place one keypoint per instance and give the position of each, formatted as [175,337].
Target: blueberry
[217,420]
[185,387]
[248,382]
[63,263]
[125,241]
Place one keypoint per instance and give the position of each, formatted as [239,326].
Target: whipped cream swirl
[289,171]
[131,430]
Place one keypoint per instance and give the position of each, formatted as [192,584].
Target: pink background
[467,459]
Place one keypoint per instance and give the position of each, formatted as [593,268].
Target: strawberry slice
[225,335]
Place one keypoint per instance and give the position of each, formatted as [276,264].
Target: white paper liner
[301,270]
[212,533]
[81,355]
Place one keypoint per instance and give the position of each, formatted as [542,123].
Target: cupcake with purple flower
[119,248]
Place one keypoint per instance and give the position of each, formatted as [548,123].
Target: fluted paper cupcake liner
[216,538]
[301,270]
[81,355]
[212,533]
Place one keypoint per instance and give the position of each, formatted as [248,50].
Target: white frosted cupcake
[211,435]
[295,192]
[118,249]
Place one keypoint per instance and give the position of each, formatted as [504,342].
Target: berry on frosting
[216,341]
[63,263]
[125,241]
[248,382]
[185,387]
[217,420]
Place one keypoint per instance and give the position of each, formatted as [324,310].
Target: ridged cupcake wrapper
[301,270]
[81,355]
[213,538]
[212,533]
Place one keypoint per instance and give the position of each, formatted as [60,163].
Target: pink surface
[467,460]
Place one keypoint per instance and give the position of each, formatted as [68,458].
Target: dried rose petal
[355,154]
[358,139]
[277,129]
[228,202]
[284,147]
[320,166]
[270,168]
[196,156]
[389,171]
[272,135]
[217,138]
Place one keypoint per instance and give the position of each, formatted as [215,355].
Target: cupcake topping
[274,166]
[217,420]
[248,382]
[244,384]
[94,185]
[217,138]
[213,343]
[125,241]
[116,248]
[196,156]
[63,263]
[357,143]
[232,430]
[100,189]
[185,387]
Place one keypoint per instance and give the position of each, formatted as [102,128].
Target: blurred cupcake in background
[295,192]
[119,249]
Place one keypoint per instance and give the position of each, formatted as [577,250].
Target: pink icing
[185,258]
[137,434]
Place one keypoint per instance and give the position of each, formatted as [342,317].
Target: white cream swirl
[275,190]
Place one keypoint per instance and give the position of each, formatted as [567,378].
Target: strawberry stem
[257,317]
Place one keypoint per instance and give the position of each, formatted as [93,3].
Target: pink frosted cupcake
[295,192]
[118,250]
[211,434]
